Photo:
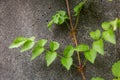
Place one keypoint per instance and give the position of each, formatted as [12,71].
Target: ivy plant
[99,38]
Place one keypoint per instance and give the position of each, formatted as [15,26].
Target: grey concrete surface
[30,17]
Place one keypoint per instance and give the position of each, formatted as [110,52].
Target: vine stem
[72,30]
[73,34]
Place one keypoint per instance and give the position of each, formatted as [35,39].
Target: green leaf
[59,18]
[114,24]
[27,45]
[56,18]
[19,41]
[116,69]
[50,24]
[67,62]
[90,55]
[68,51]
[95,34]
[78,8]
[54,45]
[42,42]
[106,25]
[50,57]
[109,36]
[37,52]
[98,46]
[97,78]
[82,47]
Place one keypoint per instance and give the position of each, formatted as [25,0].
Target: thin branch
[69,14]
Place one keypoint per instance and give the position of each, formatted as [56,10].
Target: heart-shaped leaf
[37,52]
[42,42]
[106,25]
[54,45]
[90,55]
[95,34]
[67,62]
[109,36]
[50,57]
[68,51]
[98,46]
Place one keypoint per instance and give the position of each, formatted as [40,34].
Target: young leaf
[56,18]
[50,57]
[106,25]
[109,36]
[68,51]
[90,55]
[98,46]
[19,41]
[37,51]
[59,18]
[67,62]
[78,8]
[50,24]
[95,34]
[114,24]
[82,47]
[27,45]
[42,42]
[116,69]
[97,78]
[54,45]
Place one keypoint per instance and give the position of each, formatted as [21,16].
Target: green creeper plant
[90,52]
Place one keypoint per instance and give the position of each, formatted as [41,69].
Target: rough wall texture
[30,17]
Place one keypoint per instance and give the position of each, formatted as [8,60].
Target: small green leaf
[109,36]
[42,42]
[19,41]
[37,52]
[90,55]
[67,62]
[59,18]
[54,45]
[50,57]
[68,51]
[50,24]
[116,69]
[82,47]
[78,8]
[106,25]
[114,24]
[97,78]
[98,46]
[56,18]
[27,45]
[95,34]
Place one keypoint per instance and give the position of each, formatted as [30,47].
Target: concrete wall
[30,17]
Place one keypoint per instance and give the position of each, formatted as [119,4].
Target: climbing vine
[90,51]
